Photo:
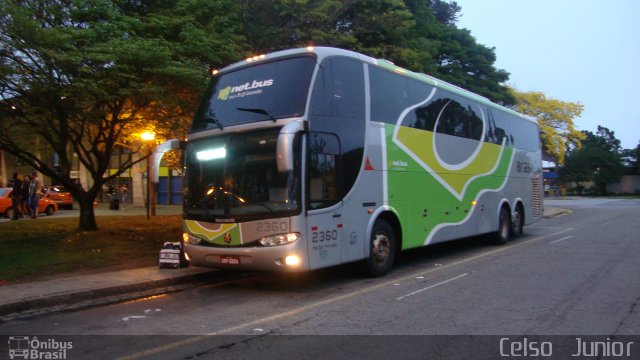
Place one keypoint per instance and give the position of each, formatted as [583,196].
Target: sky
[582,51]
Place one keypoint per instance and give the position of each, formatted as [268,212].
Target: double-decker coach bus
[308,158]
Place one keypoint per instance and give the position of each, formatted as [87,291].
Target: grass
[33,249]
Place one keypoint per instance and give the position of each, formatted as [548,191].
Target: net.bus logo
[246,89]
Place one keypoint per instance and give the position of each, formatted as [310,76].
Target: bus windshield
[265,91]
[236,175]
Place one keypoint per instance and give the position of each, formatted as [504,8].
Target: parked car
[45,205]
[60,195]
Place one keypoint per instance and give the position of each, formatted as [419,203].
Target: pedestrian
[34,194]
[104,193]
[24,196]
[124,193]
[16,194]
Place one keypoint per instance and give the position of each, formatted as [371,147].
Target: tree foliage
[80,78]
[417,34]
[599,160]
[631,160]
[555,119]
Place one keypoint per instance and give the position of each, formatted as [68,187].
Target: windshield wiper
[258,111]
[211,118]
[265,206]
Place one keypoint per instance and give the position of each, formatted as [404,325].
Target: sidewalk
[129,210]
[75,292]
[103,210]
[28,299]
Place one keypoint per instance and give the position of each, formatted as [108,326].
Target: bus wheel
[382,249]
[504,228]
[518,221]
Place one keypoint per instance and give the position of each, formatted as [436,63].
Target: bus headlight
[190,239]
[281,239]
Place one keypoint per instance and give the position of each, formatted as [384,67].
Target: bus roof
[322,52]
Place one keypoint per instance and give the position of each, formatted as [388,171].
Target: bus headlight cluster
[190,239]
[281,239]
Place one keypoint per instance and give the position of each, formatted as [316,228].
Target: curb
[557,212]
[91,298]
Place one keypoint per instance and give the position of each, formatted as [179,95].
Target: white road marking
[432,286]
[563,239]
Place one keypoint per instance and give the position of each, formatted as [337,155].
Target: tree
[82,78]
[416,34]
[555,118]
[445,12]
[271,25]
[631,160]
[463,62]
[599,160]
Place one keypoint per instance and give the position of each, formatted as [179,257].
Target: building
[169,189]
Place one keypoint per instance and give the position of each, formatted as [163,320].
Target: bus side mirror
[158,153]
[284,147]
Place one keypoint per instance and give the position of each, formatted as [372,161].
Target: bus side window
[324,177]
[339,89]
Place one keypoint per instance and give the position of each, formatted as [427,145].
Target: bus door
[324,216]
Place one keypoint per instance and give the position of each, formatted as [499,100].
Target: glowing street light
[148,135]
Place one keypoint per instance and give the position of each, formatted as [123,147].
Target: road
[577,275]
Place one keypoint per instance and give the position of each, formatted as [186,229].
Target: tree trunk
[603,188]
[3,169]
[87,216]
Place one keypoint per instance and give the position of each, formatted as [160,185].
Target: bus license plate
[230,260]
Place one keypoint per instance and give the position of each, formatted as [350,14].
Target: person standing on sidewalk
[124,195]
[24,196]
[34,194]
[16,194]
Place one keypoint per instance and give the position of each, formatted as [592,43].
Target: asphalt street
[574,275]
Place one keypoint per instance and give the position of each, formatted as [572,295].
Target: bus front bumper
[289,257]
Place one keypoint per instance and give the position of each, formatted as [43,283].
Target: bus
[313,157]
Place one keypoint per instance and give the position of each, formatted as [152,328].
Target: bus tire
[518,220]
[504,227]
[382,249]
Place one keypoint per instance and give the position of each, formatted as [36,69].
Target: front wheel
[382,252]
[49,210]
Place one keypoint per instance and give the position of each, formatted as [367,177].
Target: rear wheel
[504,228]
[518,220]
[382,252]
[49,210]
[9,213]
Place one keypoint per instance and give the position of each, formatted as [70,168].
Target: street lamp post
[148,136]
